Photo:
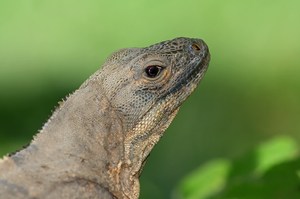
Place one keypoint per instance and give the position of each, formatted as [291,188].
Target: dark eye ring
[153,71]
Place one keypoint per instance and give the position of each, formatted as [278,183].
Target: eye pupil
[153,71]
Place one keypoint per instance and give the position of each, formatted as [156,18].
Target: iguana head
[139,80]
[146,87]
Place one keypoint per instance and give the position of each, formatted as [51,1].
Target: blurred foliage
[250,93]
[268,171]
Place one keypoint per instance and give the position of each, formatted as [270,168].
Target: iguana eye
[153,71]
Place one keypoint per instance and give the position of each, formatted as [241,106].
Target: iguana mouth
[197,70]
[193,74]
[200,69]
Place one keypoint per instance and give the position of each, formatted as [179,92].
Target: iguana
[97,141]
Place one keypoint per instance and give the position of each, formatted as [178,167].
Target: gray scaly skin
[96,143]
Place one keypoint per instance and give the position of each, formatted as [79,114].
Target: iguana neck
[77,142]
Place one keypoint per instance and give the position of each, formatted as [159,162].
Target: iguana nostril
[196,47]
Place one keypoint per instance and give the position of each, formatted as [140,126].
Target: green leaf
[207,179]
[275,151]
[271,170]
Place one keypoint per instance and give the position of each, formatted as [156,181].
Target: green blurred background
[250,94]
